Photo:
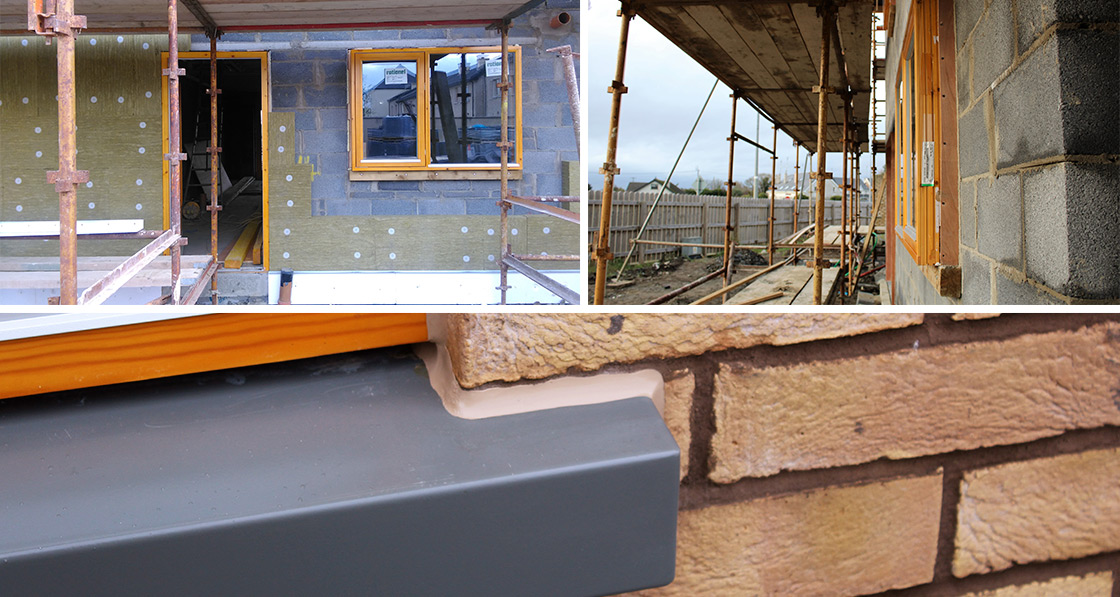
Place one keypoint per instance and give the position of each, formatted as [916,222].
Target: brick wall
[845,454]
[1038,145]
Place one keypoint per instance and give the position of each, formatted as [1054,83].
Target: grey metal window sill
[335,475]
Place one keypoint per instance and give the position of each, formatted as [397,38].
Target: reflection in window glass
[466,108]
[389,110]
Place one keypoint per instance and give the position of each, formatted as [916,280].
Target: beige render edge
[526,397]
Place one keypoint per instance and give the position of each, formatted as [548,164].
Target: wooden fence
[692,218]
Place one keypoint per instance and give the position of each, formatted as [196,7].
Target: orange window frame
[422,58]
[918,130]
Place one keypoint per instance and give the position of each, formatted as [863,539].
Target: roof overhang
[769,53]
[197,16]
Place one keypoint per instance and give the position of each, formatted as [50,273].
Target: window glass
[466,107]
[389,111]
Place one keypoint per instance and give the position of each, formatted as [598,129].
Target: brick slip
[834,541]
[679,387]
[510,347]
[1091,585]
[1048,509]
[913,402]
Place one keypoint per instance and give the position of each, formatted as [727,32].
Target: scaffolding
[663,13]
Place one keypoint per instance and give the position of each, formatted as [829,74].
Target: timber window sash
[432,109]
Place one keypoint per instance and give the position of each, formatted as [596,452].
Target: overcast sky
[666,92]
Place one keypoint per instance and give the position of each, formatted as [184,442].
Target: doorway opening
[242,162]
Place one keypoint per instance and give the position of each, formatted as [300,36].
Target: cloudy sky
[666,92]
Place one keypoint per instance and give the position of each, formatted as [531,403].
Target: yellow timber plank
[218,341]
[243,246]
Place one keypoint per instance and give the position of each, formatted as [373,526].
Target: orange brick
[1091,585]
[913,402]
[837,541]
[1048,509]
[679,387]
[489,347]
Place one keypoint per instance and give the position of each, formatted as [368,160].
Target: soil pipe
[568,60]
[66,178]
[214,150]
[610,168]
[728,249]
[560,20]
[174,145]
[503,285]
[773,195]
[828,15]
[683,289]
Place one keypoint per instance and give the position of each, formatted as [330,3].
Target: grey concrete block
[541,161]
[1090,63]
[334,72]
[1047,231]
[553,91]
[328,55]
[1015,292]
[976,279]
[328,186]
[333,118]
[285,97]
[483,207]
[398,185]
[328,96]
[329,35]
[333,163]
[1093,216]
[540,115]
[436,187]
[394,207]
[348,207]
[295,72]
[305,120]
[993,44]
[557,139]
[378,34]
[966,14]
[282,36]
[967,206]
[286,55]
[441,207]
[319,142]
[425,33]
[369,195]
[541,68]
[549,184]
[317,208]
[1037,15]
[964,91]
[1028,109]
[233,37]
[972,144]
[999,221]
[484,187]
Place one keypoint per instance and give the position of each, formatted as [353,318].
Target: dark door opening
[240,186]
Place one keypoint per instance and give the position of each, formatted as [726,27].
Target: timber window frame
[924,165]
[422,147]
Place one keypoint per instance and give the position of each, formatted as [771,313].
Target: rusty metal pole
[214,149]
[827,12]
[610,168]
[728,248]
[773,195]
[174,145]
[796,184]
[67,177]
[845,192]
[503,278]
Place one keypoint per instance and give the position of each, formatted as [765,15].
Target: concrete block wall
[850,455]
[1039,149]
[310,81]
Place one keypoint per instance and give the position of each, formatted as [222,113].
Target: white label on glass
[493,68]
[927,163]
[397,75]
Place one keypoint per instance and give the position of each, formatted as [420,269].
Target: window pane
[466,108]
[389,110]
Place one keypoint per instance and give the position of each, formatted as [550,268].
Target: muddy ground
[642,283]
